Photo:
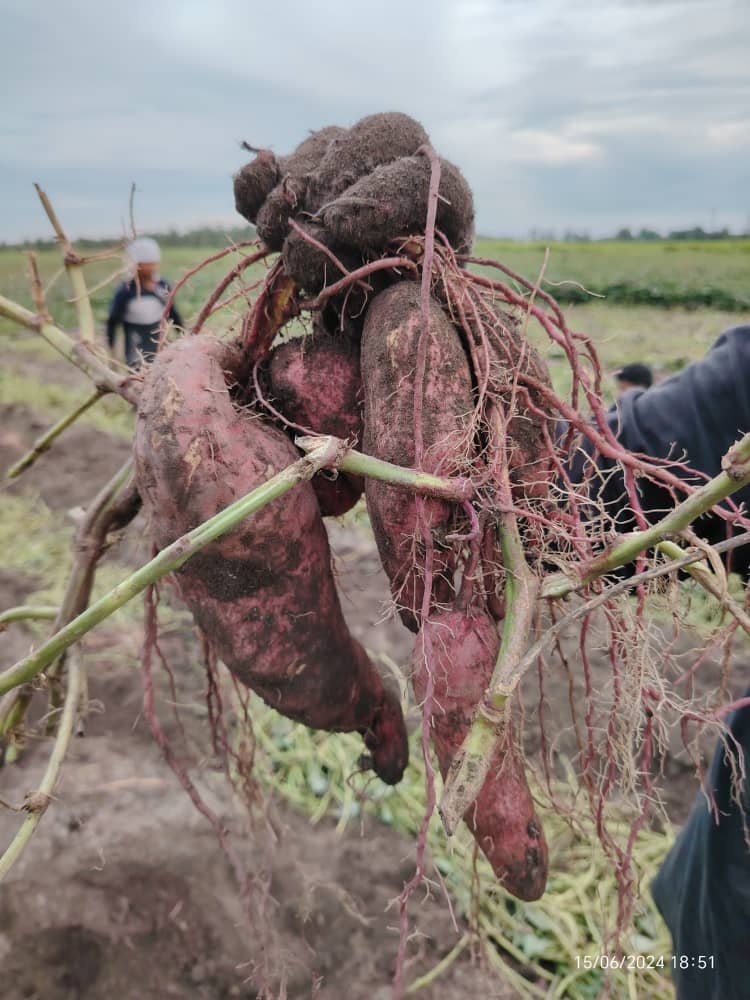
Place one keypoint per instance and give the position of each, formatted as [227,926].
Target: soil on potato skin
[124,891]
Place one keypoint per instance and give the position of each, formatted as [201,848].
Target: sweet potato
[308,155]
[390,340]
[329,162]
[254,182]
[503,819]
[372,141]
[312,269]
[290,196]
[282,204]
[264,593]
[391,202]
[315,382]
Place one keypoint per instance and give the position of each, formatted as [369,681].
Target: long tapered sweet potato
[264,593]
[390,341]
[315,383]
[503,819]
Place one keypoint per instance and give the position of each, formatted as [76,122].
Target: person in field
[703,887]
[138,304]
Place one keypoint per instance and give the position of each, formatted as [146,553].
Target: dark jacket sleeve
[693,417]
[116,313]
[699,413]
[703,887]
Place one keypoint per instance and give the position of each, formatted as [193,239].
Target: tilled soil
[124,891]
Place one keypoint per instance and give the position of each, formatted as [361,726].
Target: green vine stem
[74,267]
[346,459]
[12,708]
[471,764]
[36,803]
[708,580]
[31,612]
[734,476]
[440,967]
[81,353]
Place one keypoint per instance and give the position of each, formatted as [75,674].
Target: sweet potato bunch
[353,193]
[374,373]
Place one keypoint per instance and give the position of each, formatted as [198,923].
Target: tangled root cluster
[419,355]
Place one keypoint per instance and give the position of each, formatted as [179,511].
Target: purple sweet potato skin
[264,593]
[503,819]
[389,355]
[315,382]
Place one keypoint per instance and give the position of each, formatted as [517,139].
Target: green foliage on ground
[709,274]
[691,274]
[549,948]
[176,262]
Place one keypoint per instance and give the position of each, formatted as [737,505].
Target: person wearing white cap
[138,304]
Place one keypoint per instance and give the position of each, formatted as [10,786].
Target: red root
[503,819]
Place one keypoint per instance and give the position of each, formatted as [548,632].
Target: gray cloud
[562,114]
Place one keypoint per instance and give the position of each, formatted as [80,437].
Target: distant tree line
[205,236]
[213,236]
[626,234]
[696,233]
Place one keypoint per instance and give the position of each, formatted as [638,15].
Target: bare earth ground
[124,891]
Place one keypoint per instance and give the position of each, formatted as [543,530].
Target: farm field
[125,829]
[666,337]
[704,273]
[709,274]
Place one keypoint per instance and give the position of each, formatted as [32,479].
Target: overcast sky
[561,113]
